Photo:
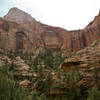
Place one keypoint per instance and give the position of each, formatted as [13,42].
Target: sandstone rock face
[18,16]
[12,37]
[19,31]
[85,60]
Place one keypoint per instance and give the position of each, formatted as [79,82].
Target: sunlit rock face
[18,16]
[19,31]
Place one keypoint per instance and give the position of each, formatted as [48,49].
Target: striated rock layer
[19,31]
[86,60]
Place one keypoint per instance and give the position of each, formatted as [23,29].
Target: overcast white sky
[68,14]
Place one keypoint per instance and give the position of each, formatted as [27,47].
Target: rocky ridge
[18,16]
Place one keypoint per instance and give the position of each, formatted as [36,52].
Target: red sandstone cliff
[19,31]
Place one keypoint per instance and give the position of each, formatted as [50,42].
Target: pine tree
[94,94]
[10,90]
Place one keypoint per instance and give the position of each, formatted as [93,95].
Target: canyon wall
[19,31]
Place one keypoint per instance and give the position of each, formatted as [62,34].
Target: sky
[68,14]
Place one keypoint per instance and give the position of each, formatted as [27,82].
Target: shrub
[9,89]
[94,94]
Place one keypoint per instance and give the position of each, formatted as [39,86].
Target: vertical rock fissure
[84,39]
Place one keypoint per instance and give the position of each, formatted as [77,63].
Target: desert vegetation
[50,81]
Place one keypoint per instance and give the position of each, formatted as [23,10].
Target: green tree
[10,90]
[94,94]
[96,76]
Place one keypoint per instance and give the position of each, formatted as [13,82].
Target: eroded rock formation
[86,60]
[19,31]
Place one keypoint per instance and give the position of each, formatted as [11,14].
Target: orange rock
[24,33]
